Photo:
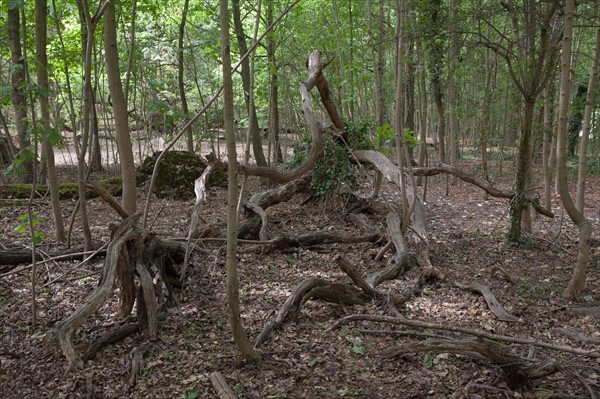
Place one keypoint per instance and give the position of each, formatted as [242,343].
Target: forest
[300,199]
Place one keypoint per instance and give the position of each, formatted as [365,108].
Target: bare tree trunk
[274,138]
[42,78]
[452,66]
[547,149]
[17,83]
[587,118]
[253,129]
[119,110]
[233,299]
[180,70]
[585,226]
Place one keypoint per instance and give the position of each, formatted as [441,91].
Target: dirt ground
[305,359]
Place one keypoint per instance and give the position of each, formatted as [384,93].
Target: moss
[176,175]
[68,190]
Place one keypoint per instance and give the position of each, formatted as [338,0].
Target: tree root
[132,251]
[518,371]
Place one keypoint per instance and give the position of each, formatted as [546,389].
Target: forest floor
[305,359]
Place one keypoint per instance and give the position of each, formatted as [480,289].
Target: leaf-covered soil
[305,359]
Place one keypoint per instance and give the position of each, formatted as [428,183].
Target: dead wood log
[479,182]
[220,386]
[419,220]
[398,262]
[318,238]
[134,248]
[200,191]
[137,363]
[109,338]
[16,256]
[64,329]
[312,287]
[463,330]
[490,299]
[593,311]
[518,372]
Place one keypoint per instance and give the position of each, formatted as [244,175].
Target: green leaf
[191,393]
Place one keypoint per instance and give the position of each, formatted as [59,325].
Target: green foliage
[18,166]
[384,134]
[359,134]
[191,393]
[23,225]
[592,165]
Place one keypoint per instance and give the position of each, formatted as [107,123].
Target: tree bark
[41,32]
[233,299]
[253,129]
[578,277]
[587,119]
[180,70]
[17,83]
[119,110]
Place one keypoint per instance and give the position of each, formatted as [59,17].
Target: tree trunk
[233,299]
[587,118]
[584,225]
[119,110]
[518,204]
[17,83]
[452,66]
[253,129]
[180,70]
[274,138]
[41,32]
[547,148]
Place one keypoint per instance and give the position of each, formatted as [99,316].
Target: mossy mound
[65,190]
[176,175]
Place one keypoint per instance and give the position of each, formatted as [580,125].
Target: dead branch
[490,299]
[462,330]
[110,338]
[518,371]
[64,329]
[311,288]
[398,262]
[220,386]
[107,197]
[479,182]
[318,238]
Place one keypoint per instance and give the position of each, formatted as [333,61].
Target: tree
[233,299]
[253,129]
[180,74]
[48,134]
[587,119]
[530,52]
[583,224]
[119,109]
[18,66]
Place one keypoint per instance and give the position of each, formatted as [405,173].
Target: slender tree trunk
[547,148]
[423,107]
[119,109]
[587,118]
[452,66]
[253,129]
[274,140]
[180,70]
[41,31]
[233,299]
[585,226]
[519,203]
[17,83]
